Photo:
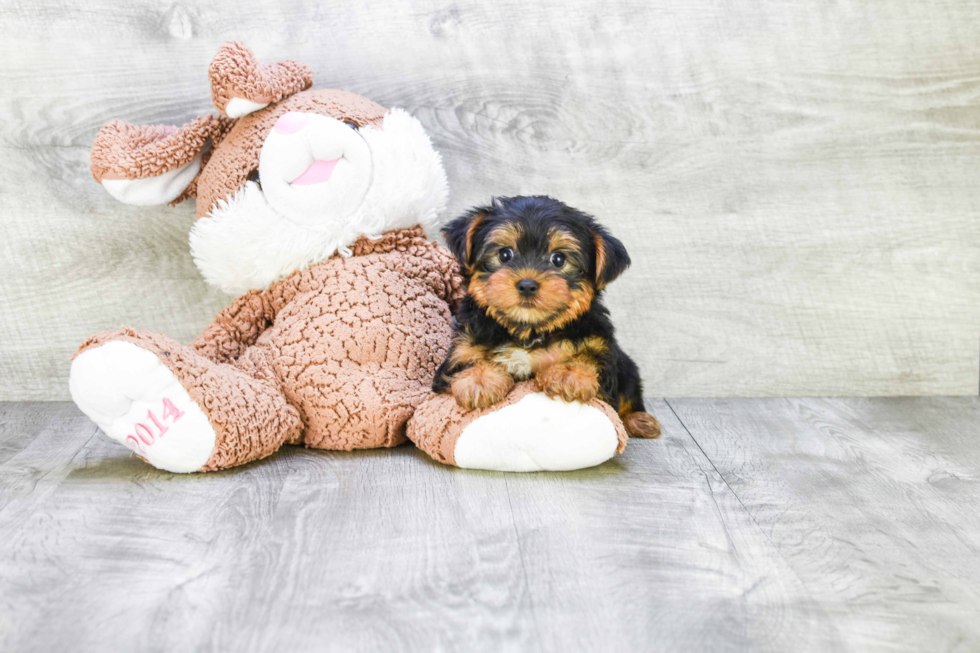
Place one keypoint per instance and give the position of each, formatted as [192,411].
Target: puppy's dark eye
[254,176]
[505,254]
[350,124]
[558,259]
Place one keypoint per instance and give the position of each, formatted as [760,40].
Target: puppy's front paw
[569,381]
[481,386]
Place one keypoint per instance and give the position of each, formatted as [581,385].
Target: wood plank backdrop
[797,182]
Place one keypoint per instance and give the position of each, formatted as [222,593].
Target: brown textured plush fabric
[229,166]
[438,422]
[125,151]
[336,356]
[235,72]
[250,417]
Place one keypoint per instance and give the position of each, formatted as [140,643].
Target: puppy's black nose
[527,287]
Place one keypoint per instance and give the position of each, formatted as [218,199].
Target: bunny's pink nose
[292,122]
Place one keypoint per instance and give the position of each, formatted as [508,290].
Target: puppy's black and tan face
[534,263]
[532,275]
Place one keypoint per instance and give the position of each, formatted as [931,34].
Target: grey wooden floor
[773,524]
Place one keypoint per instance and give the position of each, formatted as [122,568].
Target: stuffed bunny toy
[315,208]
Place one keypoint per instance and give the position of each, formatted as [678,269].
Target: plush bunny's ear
[241,85]
[153,164]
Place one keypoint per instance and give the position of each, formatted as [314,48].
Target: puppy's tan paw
[642,425]
[570,382]
[481,386]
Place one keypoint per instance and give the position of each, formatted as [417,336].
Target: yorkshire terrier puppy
[534,269]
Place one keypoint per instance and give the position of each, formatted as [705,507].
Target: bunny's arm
[239,326]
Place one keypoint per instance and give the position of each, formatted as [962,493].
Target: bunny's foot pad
[137,401]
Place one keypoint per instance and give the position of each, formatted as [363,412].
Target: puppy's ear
[459,236]
[611,258]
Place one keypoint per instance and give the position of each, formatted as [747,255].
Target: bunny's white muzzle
[313,166]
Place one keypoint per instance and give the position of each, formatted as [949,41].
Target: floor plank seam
[748,512]
[520,555]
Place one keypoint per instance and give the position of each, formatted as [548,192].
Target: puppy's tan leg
[481,385]
[574,380]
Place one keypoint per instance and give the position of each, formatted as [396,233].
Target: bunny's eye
[254,177]
[350,124]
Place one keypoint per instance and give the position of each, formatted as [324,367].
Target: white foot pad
[535,434]
[139,403]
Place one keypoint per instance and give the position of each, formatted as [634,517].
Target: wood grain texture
[796,182]
[875,504]
[383,550]
[751,525]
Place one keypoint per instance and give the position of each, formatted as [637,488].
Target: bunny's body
[335,356]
